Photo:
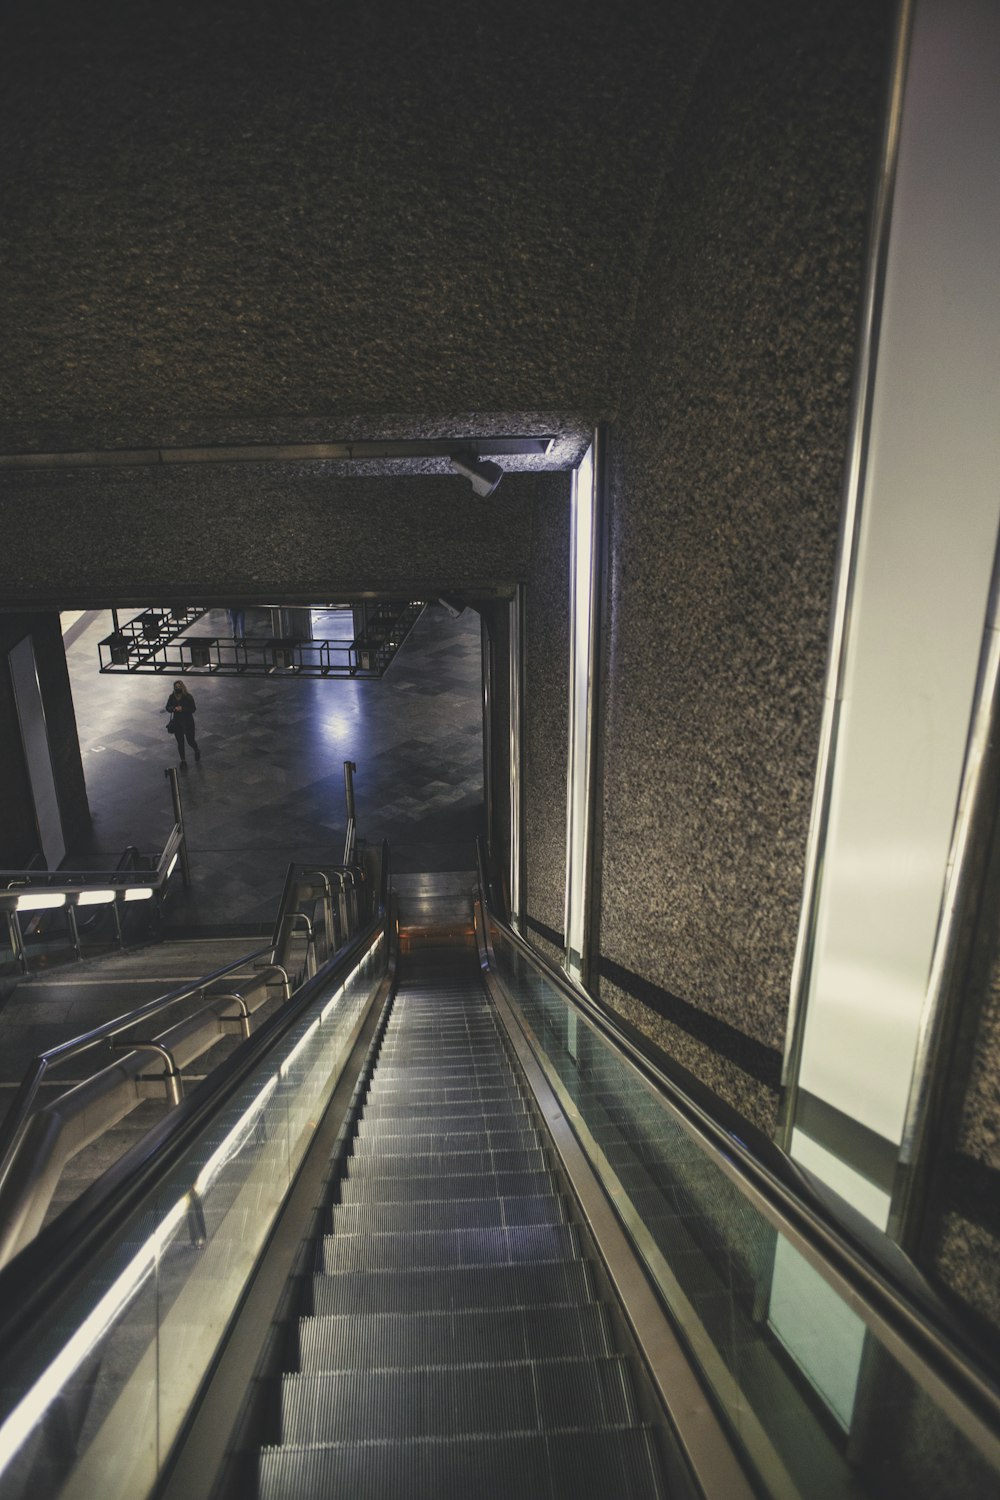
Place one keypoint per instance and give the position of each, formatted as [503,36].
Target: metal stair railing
[212,1175]
[36,1145]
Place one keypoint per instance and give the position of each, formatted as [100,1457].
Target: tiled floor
[270,787]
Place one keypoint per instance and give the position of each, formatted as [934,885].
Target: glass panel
[817,1402]
[95,1408]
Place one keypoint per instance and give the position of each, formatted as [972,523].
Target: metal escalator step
[392,1143]
[459,1185]
[457,1401]
[404,1110]
[461,1288]
[460,1094]
[495,1246]
[482,1065]
[444,1213]
[395,1340]
[434,1163]
[412,1040]
[615,1465]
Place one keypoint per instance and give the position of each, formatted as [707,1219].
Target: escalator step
[399,1119]
[459,1185]
[459,1094]
[386,1340]
[457,1401]
[391,1142]
[618,1465]
[449,1247]
[443,1163]
[462,1288]
[444,1213]
[481,1065]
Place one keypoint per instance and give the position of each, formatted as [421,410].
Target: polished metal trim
[580,768]
[515,649]
[846,569]
[487,660]
[259,453]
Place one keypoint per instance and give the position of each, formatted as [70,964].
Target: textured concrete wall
[961,1233]
[546,719]
[726,467]
[18,835]
[135,535]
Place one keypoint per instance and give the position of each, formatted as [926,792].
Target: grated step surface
[418,1249]
[444,1213]
[457,1401]
[464,1288]
[466,1185]
[393,1341]
[616,1465]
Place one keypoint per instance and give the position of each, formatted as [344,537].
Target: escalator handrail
[879,1273]
[44,1275]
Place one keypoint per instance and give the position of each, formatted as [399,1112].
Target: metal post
[516,654]
[331,936]
[175,793]
[244,1016]
[172,1076]
[17,941]
[118,922]
[74,931]
[349,770]
[352,827]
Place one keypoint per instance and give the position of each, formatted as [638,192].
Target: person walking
[180,707]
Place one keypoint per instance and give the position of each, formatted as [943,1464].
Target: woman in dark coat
[180,707]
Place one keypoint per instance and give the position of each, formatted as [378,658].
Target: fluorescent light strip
[170,867]
[40,900]
[283,1071]
[234,1140]
[138,893]
[29,1411]
[94,898]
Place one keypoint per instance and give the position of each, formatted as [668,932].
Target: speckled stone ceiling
[224,220]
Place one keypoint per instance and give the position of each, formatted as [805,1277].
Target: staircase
[457,1343]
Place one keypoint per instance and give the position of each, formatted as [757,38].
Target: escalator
[442,1228]
[457,1338]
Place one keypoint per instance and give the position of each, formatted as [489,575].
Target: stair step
[465,1093]
[449,1247]
[444,1163]
[511,1108]
[392,1142]
[556,1466]
[389,1340]
[444,1213]
[400,1120]
[461,1289]
[458,1185]
[457,1401]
